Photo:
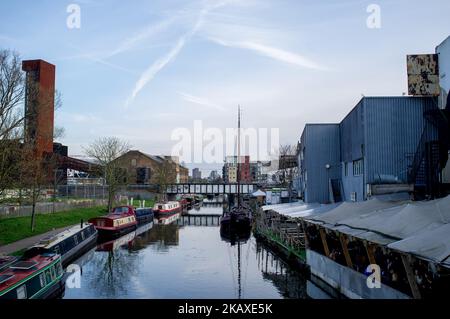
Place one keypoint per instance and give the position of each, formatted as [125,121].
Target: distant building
[230,169]
[213,176]
[142,168]
[256,171]
[196,174]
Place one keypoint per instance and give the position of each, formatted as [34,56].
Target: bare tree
[11,115]
[105,151]
[288,165]
[164,175]
[36,174]
[12,91]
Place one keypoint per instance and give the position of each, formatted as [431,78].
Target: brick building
[142,168]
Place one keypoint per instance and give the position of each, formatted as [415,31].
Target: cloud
[150,73]
[157,66]
[94,57]
[146,33]
[201,101]
[272,52]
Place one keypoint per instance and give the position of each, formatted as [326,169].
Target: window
[345,169]
[42,280]
[53,273]
[22,292]
[358,167]
[133,162]
[59,269]
[75,239]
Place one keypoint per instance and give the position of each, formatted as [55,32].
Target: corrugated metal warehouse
[379,138]
[374,144]
[319,161]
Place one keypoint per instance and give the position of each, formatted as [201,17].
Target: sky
[140,69]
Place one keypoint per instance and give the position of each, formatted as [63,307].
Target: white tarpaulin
[418,228]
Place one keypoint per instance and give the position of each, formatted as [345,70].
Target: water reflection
[185,259]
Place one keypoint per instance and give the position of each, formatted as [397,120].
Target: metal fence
[49,208]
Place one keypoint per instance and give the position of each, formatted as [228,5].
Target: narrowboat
[120,221]
[198,200]
[190,201]
[70,244]
[124,241]
[184,205]
[39,277]
[144,215]
[167,208]
[236,221]
[167,219]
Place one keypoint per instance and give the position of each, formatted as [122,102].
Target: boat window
[120,210]
[59,269]
[160,207]
[82,235]
[22,292]
[42,280]
[75,239]
[48,276]
[56,250]
[53,273]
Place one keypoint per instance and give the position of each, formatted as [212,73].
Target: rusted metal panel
[423,75]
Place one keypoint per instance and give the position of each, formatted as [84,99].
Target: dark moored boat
[238,220]
[39,277]
[120,221]
[70,244]
[144,215]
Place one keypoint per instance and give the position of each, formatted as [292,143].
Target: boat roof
[5,261]
[56,239]
[22,269]
[168,203]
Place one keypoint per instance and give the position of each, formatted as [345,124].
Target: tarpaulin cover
[418,228]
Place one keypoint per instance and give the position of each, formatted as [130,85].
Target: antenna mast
[239,157]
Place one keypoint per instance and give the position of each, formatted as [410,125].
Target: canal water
[184,257]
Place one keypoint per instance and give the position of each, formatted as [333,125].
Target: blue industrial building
[373,149]
[319,162]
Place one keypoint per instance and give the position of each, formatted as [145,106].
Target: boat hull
[79,250]
[109,233]
[168,212]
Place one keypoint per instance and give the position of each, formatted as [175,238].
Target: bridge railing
[191,188]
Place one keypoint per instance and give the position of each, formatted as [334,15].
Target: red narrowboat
[167,208]
[120,221]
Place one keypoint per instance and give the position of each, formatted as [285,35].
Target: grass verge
[14,229]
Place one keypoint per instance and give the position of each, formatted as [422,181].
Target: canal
[184,258]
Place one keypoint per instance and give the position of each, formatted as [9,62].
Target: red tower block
[39,105]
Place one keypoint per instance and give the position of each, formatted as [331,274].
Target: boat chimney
[81,224]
